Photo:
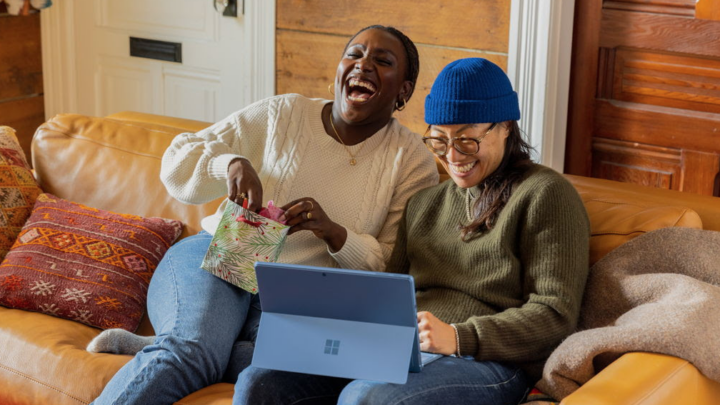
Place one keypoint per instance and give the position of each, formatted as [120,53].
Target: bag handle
[256,224]
[242,218]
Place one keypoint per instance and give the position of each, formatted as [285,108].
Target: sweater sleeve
[364,251]
[194,167]
[553,240]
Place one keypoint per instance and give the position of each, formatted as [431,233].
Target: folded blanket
[659,292]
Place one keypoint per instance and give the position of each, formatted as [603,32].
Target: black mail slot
[153,49]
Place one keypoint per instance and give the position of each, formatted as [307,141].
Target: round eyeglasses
[467,146]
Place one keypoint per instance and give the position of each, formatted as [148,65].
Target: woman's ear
[505,125]
[406,91]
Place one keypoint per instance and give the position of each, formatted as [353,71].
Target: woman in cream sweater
[343,169]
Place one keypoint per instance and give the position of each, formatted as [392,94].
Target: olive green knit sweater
[513,292]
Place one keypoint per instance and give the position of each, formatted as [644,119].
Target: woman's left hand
[436,336]
[306,214]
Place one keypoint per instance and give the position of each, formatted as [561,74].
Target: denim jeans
[204,325]
[448,380]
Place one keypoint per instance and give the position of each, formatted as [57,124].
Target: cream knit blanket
[659,292]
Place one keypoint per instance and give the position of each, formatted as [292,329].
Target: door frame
[539,55]
[58,54]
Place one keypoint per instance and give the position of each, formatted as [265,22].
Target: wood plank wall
[311,35]
[21,84]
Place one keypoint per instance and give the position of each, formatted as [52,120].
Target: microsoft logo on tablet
[332,347]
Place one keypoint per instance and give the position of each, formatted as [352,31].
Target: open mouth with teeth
[462,169]
[359,90]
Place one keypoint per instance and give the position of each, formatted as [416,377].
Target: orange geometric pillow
[85,264]
[18,189]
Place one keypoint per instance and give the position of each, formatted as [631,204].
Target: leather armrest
[647,379]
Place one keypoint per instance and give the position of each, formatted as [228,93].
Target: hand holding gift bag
[243,238]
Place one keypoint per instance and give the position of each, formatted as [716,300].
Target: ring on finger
[308,215]
[312,206]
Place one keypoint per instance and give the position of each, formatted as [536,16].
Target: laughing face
[370,78]
[470,170]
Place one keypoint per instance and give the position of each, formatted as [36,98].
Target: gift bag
[243,238]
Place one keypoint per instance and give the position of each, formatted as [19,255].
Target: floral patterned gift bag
[243,238]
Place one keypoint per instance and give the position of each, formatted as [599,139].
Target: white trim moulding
[539,53]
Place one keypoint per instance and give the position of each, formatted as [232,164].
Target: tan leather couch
[114,163]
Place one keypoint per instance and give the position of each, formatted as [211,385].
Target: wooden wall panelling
[700,171]
[671,80]
[473,24]
[24,115]
[637,163]
[21,84]
[708,10]
[656,31]
[306,64]
[672,7]
[584,72]
[657,125]
[20,57]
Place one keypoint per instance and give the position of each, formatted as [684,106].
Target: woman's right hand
[243,182]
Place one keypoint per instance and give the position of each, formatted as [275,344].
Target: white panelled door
[217,76]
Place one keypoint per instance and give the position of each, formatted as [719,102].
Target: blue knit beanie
[470,91]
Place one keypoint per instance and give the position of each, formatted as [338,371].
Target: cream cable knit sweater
[284,139]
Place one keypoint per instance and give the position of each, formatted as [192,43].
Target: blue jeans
[205,332]
[449,380]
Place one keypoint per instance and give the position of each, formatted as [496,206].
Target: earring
[331,87]
[402,106]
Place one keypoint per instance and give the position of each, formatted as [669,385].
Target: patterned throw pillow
[18,189]
[85,264]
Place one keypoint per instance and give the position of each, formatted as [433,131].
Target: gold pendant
[353,162]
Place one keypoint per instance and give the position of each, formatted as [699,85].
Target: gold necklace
[353,162]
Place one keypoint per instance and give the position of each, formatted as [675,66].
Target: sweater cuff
[469,343]
[352,254]
[218,167]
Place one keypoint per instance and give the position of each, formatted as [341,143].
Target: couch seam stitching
[107,145]
[41,383]
[660,383]
[682,214]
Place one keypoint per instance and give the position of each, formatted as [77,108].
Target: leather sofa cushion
[112,165]
[614,220]
[43,360]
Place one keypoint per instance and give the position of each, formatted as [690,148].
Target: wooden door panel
[650,124]
[672,7]
[666,79]
[661,32]
[646,109]
[700,170]
[637,163]
[708,10]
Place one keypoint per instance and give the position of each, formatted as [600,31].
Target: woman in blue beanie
[499,255]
